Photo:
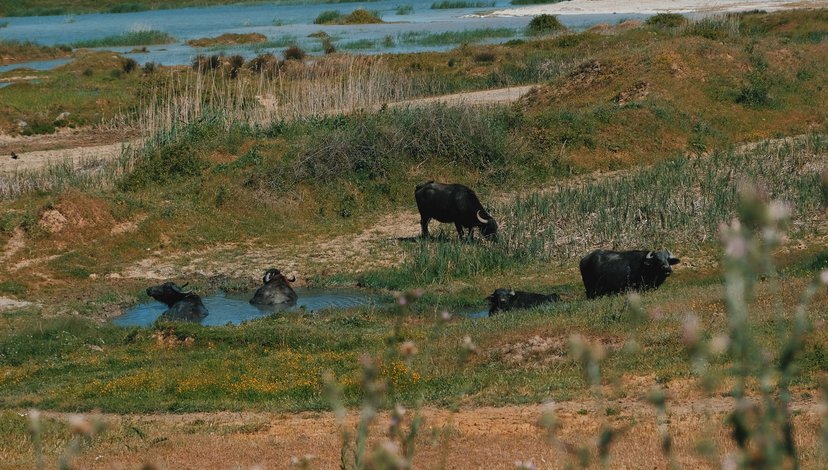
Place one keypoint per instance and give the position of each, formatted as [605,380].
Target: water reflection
[232,308]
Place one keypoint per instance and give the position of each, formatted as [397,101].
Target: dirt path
[81,146]
[491,438]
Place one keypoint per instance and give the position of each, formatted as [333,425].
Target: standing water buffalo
[275,291]
[183,306]
[508,299]
[613,272]
[453,203]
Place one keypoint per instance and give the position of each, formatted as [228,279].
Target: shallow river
[291,23]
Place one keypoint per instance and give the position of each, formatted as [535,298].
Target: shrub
[236,62]
[362,16]
[486,56]
[149,68]
[158,164]
[266,64]
[666,20]
[129,65]
[328,17]
[203,63]
[358,16]
[755,92]
[544,24]
[294,52]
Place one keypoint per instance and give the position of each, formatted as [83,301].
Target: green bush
[328,17]
[544,24]
[666,20]
[294,52]
[448,4]
[176,159]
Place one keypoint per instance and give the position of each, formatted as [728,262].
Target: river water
[282,23]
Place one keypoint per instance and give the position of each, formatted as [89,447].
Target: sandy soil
[491,438]
[582,7]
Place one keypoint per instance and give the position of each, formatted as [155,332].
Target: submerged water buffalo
[275,291]
[508,299]
[613,272]
[453,203]
[183,306]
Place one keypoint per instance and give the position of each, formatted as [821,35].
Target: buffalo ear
[512,293]
[673,261]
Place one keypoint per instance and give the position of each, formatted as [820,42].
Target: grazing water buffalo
[183,306]
[453,203]
[508,299]
[275,291]
[613,272]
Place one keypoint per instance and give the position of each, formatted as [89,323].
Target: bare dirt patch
[377,246]
[492,438]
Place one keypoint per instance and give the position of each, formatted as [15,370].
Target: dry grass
[473,438]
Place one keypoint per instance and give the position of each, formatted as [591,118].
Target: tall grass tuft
[712,27]
[131,38]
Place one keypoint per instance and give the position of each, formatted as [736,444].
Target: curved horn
[650,255]
[268,276]
[291,278]
[185,285]
[481,219]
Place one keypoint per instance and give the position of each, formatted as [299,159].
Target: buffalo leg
[459,230]
[424,225]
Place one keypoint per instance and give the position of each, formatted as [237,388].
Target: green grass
[404,10]
[357,45]
[132,38]
[456,37]
[448,4]
[21,51]
[358,16]
[677,203]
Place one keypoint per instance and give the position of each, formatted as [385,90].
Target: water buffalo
[453,203]
[275,291]
[183,306]
[508,299]
[613,272]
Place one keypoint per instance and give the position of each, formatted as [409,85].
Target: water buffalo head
[273,275]
[168,293]
[661,261]
[488,225]
[501,299]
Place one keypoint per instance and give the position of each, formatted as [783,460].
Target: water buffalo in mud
[183,306]
[508,299]
[453,203]
[276,290]
[614,272]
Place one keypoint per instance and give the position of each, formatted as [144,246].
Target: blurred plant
[397,450]
[761,427]
[82,428]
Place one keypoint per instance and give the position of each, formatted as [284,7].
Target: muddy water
[227,308]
